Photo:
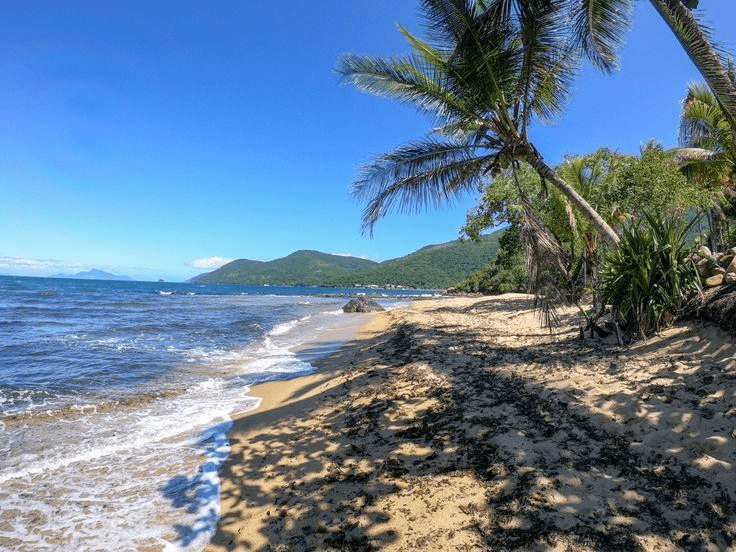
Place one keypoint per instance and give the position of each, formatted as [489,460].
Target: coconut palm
[487,70]
[601,27]
[705,136]
[696,41]
[708,152]
[592,175]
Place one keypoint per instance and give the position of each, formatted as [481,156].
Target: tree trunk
[545,171]
[701,52]
[690,156]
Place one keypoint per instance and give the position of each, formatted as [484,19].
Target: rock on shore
[362,304]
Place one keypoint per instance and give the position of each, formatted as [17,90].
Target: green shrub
[647,278]
[496,278]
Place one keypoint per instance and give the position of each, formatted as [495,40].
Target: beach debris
[362,304]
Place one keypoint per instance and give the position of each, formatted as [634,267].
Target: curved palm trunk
[689,156]
[700,50]
[545,171]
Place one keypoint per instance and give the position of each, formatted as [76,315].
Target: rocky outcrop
[717,303]
[715,269]
[362,304]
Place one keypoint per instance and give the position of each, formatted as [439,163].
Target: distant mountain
[435,266]
[93,274]
[301,268]
[432,267]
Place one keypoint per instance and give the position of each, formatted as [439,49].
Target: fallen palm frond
[546,262]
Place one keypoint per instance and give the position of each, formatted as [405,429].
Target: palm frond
[402,78]
[600,27]
[485,66]
[420,175]
[702,123]
[546,263]
[446,21]
[710,58]
[552,84]
[429,54]
[538,57]
[410,80]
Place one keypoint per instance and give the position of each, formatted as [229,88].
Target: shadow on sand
[532,467]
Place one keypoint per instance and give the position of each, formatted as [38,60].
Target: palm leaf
[708,56]
[546,262]
[702,124]
[411,80]
[600,27]
[402,78]
[549,59]
[420,175]
[446,21]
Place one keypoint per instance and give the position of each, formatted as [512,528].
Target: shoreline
[460,423]
[278,393]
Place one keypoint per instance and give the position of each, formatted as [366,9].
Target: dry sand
[460,424]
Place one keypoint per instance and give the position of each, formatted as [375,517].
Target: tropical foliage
[654,181]
[486,72]
[708,158]
[620,187]
[507,273]
[601,27]
[648,277]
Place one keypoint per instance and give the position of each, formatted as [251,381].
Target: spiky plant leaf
[648,277]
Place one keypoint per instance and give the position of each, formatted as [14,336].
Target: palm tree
[705,136]
[708,152]
[697,43]
[491,68]
[601,27]
[592,175]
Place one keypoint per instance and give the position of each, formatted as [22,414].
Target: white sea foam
[130,474]
[285,327]
[144,474]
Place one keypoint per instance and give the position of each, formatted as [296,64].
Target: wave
[285,327]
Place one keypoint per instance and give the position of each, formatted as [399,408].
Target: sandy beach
[461,424]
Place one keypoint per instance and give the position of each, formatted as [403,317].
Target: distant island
[432,267]
[94,274]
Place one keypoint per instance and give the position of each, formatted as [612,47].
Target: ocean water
[116,399]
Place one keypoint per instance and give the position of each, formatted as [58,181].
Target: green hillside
[434,267]
[301,268]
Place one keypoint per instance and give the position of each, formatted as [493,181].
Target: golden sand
[460,424]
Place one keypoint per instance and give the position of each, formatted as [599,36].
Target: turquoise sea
[116,399]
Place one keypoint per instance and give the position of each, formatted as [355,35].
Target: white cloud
[211,262]
[24,263]
[351,255]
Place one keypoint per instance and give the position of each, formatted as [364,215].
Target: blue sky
[148,138]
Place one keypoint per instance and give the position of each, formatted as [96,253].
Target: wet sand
[460,424]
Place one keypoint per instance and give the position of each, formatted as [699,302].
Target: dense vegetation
[505,274]
[622,188]
[648,277]
[483,75]
[432,267]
